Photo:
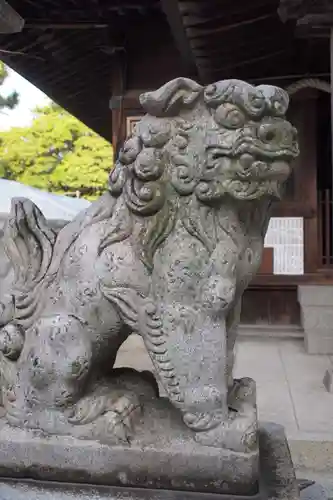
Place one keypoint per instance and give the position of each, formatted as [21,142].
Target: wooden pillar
[309,182]
[304,116]
[331,59]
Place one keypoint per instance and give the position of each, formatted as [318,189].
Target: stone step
[271,331]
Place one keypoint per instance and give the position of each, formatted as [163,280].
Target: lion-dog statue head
[227,140]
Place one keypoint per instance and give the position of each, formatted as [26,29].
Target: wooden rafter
[172,12]
[193,19]
[216,31]
[228,27]
[313,17]
[245,62]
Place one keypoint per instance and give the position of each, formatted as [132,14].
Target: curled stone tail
[29,243]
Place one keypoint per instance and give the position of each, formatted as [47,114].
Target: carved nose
[280,133]
[268,133]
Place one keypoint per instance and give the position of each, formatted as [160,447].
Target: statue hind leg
[52,377]
[58,386]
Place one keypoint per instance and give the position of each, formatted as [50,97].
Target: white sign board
[286,236]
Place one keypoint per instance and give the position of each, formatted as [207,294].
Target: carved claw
[123,417]
[111,418]
[87,410]
[202,421]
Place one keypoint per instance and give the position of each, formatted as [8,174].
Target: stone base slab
[38,490]
[163,454]
[34,467]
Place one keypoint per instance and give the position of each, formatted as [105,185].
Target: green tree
[12,99]
[56,153]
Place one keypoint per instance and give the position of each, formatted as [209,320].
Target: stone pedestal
[316,303]
[34,467]
[38,490]
[163,455]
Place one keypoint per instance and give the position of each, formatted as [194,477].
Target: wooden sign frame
[131,121]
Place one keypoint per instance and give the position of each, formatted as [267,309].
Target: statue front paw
[239,431]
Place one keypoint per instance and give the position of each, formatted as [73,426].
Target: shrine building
[95,57]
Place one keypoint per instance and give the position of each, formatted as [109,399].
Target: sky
[30,97]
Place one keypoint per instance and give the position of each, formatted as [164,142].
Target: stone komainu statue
[167,253]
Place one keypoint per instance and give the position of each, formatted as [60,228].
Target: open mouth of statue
[256,163]
[262,169]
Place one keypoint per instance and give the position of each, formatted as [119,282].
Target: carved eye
[257,100]
[279,106]
[229,116]
[211,90]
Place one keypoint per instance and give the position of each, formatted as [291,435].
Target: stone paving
[289,384]
[290,392]
[289,381]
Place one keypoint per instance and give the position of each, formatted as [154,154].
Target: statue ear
[169,99]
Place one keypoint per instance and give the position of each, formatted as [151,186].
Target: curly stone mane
[173,158]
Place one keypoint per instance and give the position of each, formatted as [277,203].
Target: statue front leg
[206,389]
[189,353]
[232,323]
[189,349]
[221,415]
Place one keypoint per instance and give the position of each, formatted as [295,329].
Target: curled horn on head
[171,97]
[277,99]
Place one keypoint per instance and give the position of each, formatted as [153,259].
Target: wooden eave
[69,50]
[73,49]
[248,40]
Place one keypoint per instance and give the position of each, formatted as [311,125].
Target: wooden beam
[306,175]
[250,61]
[173,15]
[193,32]
[65,26]
[194,17]
[241,45]
[238,35]
[271,280]
[240,53]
